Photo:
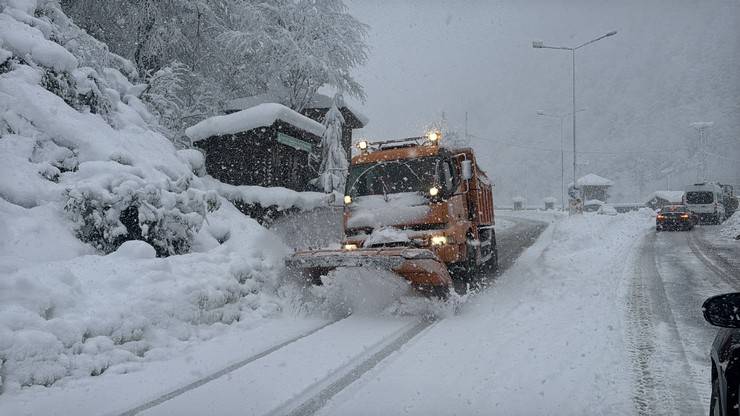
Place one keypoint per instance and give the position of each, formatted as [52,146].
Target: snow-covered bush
[168,219]
[731,227]
[84,170]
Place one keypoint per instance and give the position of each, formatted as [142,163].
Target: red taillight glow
[660,217]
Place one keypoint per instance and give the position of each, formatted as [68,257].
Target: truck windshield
[699,197]
[391,177]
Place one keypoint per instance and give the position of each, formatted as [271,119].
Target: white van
[705,199]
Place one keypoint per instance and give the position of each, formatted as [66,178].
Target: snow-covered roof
[670,196]
[550,199]
[324,101]
[593,180]
[317,101]
[518,199]
[594,202]
[261,115]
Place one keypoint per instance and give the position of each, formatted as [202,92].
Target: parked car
[675,217]
[723,311]
[607,209]
[592,205]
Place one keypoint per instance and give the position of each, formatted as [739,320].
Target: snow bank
[283,198]
[91,314]
[262,115]
[546,338]
[29,43]
[84,173]
[731,227]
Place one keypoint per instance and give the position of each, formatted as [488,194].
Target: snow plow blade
[419,266]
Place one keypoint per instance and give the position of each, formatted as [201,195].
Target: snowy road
[675,273]
[591,315]
[301,377]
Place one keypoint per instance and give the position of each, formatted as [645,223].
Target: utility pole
[561,117]
[702,126]
[538,44]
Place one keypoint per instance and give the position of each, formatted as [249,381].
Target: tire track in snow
[309,403]
[717,264]
[315,396]
[195,384]
[661,385]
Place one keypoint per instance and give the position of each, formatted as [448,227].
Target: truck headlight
[350,247]
[347,199]
[439,240]
[433,191]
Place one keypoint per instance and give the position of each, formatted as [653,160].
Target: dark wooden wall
[255,157]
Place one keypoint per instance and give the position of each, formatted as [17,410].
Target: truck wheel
[471,265]
[491,266]
[441,292]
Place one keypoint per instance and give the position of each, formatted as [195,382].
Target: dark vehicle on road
[724,311]
[675,217]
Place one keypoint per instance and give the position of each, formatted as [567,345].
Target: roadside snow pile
[89,314]
[282,198]
[78,137]
[731,227]
[84,173]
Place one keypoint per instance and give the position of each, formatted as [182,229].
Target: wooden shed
[550,203]
[265,145]
[518,203]
[592,187]
[316,110]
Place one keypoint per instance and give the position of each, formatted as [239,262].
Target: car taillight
[660,217]
[685,216]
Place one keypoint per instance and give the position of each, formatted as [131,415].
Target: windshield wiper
[385,189]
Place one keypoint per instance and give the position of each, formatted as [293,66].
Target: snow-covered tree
[333,170]
[230,48]
[296,45]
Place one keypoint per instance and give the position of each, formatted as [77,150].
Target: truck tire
[470,265]
[466,271]
[491,266]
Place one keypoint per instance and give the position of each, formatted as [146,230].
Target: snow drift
[731,227]
[112,247]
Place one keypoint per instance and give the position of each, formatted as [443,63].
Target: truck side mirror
[467,169]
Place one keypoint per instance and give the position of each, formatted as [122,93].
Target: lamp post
[538,44]
[561,117]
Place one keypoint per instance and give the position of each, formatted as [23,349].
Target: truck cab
[416,193]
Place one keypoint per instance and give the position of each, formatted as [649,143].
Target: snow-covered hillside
[84,171]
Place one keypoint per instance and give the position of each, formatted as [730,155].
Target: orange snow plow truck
[419,209]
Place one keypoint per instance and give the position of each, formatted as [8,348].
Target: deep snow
[77,147]
[547,338]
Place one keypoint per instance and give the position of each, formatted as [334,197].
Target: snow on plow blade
[419,266]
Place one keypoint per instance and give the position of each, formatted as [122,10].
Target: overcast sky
[671,63]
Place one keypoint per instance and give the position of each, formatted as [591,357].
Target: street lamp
[538,44]
[561,117]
